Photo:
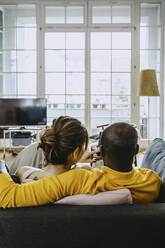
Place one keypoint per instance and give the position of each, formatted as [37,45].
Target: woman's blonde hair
[62,138]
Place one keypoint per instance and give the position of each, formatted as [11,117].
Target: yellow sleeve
[148,189]
[44,191]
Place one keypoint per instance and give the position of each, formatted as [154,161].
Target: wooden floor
[9,157]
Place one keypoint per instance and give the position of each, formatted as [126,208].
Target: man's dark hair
[119,145]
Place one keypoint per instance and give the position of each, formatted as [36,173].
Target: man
[118,147]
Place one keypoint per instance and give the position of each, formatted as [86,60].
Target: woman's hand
[90,157]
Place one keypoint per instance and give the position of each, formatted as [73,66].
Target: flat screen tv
[23,112]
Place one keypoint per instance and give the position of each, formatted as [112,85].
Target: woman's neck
[56,169]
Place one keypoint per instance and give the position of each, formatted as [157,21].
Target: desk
[15,130]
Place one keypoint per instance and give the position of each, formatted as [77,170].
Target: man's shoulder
[148,172]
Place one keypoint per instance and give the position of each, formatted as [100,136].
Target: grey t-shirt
[29,156]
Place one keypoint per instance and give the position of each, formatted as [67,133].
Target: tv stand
[22,128]
[21,133]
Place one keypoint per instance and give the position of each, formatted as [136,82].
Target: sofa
[137,225]
[89,226]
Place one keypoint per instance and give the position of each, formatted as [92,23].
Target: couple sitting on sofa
[63,145]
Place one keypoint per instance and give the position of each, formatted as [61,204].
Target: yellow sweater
[143,183]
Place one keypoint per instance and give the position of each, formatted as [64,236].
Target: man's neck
[122,168]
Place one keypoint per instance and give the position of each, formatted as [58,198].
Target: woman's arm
[24,173]
[21,171]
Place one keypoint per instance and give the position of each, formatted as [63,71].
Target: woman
[63,145]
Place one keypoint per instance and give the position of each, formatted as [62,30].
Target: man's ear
[137,149]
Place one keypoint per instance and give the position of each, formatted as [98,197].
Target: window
[18,50]
[81,56]
[87,74]
[150,45]
[65,73]
[110,77]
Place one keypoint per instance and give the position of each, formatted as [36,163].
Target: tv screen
[23,112]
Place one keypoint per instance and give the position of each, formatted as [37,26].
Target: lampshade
[148,83]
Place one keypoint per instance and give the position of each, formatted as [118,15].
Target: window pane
[120,119]
[149,107]
[100,83]
[153,128]
[55,61]
[8,61]
[26,83]
[101,61]
[75,61]
[26,15]
[121,106]
[97,122]
[100,40]
[154,107]
[55,40]
[56,105]
[74,14]
[121,61]
[144,106]
[121,14]
[101,14]
[117,37]
[8,84]
[8,38]
[9,15]
[121,84]
[150,60]
[26,38]
[150,14]
[75,106]
[150,38]
[26,61]
[55,14]
[75,83]
[55,83]
[77,113]
[75,40]
[100,105]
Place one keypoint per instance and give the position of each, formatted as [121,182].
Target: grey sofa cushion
[154,157]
